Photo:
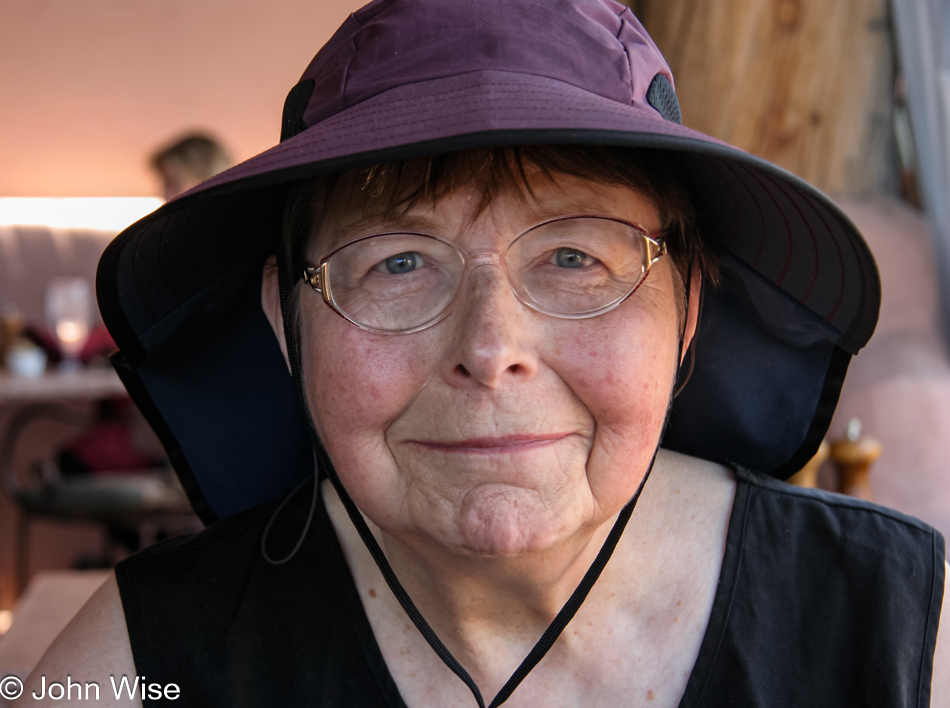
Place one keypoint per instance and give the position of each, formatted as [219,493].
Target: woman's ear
[692,311]
[270,302]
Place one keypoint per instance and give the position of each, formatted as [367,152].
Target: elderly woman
[481,251]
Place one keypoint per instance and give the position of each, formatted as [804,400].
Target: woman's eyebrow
[566,207]
[420,222]
[572,206]
[375,223]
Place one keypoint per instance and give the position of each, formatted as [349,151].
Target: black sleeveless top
[822,600]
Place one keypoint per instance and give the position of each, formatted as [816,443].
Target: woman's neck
[465,598]
[489,612]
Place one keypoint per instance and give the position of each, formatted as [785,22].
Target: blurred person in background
[187,162]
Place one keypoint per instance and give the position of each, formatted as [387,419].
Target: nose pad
[493,343]
[489,258]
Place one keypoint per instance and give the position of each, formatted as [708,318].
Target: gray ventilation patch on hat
[294,107]
[662,97]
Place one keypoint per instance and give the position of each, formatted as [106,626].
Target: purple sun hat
[180,289]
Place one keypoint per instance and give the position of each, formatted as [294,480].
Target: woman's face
[498,430]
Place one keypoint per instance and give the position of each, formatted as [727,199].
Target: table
[84,385]
[151,501]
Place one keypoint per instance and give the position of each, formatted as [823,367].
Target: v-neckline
[725,592]
[709,647]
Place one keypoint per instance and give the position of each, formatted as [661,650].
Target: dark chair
[135,508]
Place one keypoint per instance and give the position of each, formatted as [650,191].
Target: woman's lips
[503,443]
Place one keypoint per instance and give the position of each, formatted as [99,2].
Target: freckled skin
[495,368]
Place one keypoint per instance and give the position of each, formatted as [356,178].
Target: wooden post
[807,476]
[806,84]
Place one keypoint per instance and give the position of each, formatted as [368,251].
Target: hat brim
[800,293]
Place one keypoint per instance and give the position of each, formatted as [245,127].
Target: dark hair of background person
[188,161]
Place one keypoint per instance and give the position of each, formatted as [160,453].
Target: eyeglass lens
[567,267]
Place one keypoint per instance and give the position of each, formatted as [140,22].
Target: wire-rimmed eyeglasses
[571,267]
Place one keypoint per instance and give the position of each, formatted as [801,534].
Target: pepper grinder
[853,457]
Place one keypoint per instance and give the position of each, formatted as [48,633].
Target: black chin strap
[322,461]
[683,379]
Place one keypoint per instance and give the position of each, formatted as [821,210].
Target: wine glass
[69,314]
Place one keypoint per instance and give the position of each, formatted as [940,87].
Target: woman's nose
[493,345]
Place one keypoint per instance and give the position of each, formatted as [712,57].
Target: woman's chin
[505,521]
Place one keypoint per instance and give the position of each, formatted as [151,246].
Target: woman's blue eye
[403,263]
[571,258]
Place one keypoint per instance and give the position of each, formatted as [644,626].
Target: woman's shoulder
[835,589]
[183,584]
[835,516]
[229,614]
[232,545]
[204,577]
[817,554]
[93,649]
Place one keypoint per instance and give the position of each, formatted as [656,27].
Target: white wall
[89,88]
